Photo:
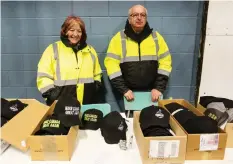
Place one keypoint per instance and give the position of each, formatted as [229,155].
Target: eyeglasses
[136,15]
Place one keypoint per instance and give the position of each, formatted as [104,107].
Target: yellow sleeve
[164,57]
[45,72]
[113,57]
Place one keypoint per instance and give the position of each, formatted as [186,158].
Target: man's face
[138,18]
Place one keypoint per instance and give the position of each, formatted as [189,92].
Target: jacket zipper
[76,59]
[139,52]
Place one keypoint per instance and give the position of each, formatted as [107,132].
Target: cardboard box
[197,147]
[228,128]
[148,146]
[20,129]
[4,144]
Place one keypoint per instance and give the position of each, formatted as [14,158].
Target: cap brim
[69,121]
[42,133]
[148,124]
[90,126]
[110,138]
[113,137]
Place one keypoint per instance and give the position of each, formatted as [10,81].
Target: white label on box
[209,142]
[164,148]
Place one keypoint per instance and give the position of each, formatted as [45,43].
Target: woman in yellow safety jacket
[70,66]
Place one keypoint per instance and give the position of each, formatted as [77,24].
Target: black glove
[52,94]
[98,86]
[100,92]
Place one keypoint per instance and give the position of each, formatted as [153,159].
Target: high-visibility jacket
[61,66]
[138,66]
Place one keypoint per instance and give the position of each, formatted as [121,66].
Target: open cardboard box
[193,151]
[228,128]
[148,146]
[20,129]
[17,130]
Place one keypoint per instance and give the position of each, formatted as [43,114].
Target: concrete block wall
[27,28]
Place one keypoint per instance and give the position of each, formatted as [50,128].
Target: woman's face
[74,34]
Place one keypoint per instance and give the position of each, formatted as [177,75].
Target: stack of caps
[66,114]
[154,121]
[10,109]
[192,123]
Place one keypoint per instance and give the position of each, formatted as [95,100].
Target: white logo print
[14,108]
[69,110]
[159,114]
[121,126]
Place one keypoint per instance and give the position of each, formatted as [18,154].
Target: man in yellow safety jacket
[138,58]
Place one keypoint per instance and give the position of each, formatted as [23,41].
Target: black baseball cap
[91,119]
[11,108]
[156,131]
[172,107]
[205,100]
[201,124]
[183,116]
[67,109]
[214,114]
[3,121]
[113,128]
[154,116]
[52,126]
[4,102]
[181,113]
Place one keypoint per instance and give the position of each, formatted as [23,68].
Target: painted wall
[29,27]
[217,69]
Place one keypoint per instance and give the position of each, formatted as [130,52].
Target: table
[92,149]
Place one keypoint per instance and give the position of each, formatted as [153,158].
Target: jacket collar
[137,37]
[86,49]
[76,47]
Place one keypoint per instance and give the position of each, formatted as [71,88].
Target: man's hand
[155,95]
[129,95]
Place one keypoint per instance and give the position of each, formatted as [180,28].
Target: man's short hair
[130,9]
